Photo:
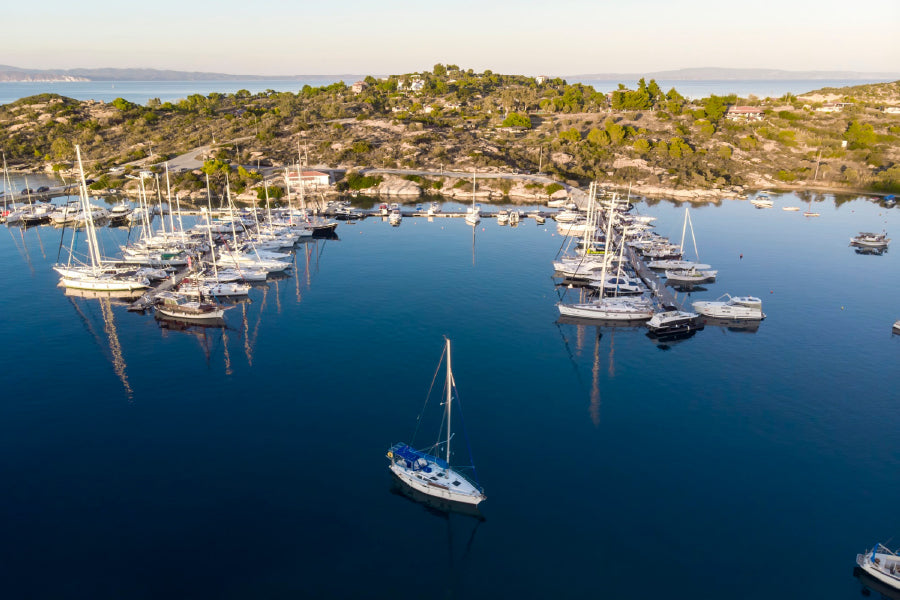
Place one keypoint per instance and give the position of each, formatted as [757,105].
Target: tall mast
[162,215]
[89,215]
[6,185]
[169,200]
[606,256]
[449,398]
[212,245]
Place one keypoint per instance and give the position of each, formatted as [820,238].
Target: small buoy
[842,308]
[771,291]
[742,257]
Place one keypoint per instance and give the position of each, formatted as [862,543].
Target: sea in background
[146,461]
[760,88]
[141,92]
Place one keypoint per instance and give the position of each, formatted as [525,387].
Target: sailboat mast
[694,238]
[606,256]
[169,200]
[212,245]
[89,215]
[449,398]
[683,231]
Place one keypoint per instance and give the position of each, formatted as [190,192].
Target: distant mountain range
[8,73]
[719,73]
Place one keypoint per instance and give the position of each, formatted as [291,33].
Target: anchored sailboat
[429,474]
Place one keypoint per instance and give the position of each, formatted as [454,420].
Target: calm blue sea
[142,91]
[760,88]
[170,91]
[145,462]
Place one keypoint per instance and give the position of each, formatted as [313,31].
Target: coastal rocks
[561,158]
[396,186]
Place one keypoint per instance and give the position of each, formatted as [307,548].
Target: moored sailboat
[424,471]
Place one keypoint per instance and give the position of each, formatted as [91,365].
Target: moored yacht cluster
[191,267]
[618,265]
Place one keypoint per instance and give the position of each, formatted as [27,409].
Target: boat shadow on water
[436,506]
[667,340]
[184,324]
[602,323]
[870,584]
[735,325]
[871,251]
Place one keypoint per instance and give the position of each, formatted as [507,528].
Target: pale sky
[562,37]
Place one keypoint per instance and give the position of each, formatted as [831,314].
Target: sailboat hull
[420,482]
[101,284]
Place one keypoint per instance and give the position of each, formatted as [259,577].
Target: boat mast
[169,200]
[449,398]
[606,256]
[212,245]
[89,216]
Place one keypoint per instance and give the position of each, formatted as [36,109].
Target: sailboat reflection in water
[426,473]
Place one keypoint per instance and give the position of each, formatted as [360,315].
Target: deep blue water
[171,91]
[142,91]
[250,462]
[761,88]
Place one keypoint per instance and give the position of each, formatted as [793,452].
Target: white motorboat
[896,327]
[737,308]
[395,217]
[762,203]
[514,218]
[567,216]
[691,276]
[424,471]
[881,564]
[871,240]
[503,217]
[674,265]
[434,208]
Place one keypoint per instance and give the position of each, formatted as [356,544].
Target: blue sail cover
[411,455]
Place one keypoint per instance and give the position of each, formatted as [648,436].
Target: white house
[744,113]
[309,180]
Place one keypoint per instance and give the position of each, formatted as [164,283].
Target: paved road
[189,160]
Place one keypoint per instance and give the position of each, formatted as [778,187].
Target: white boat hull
[722,310]
[607,312]
[422,484]
[102,284]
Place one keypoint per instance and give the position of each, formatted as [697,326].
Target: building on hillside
[541,79]
[830,107]
[744,113]
[892,110]
[310,180]
[359,86]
